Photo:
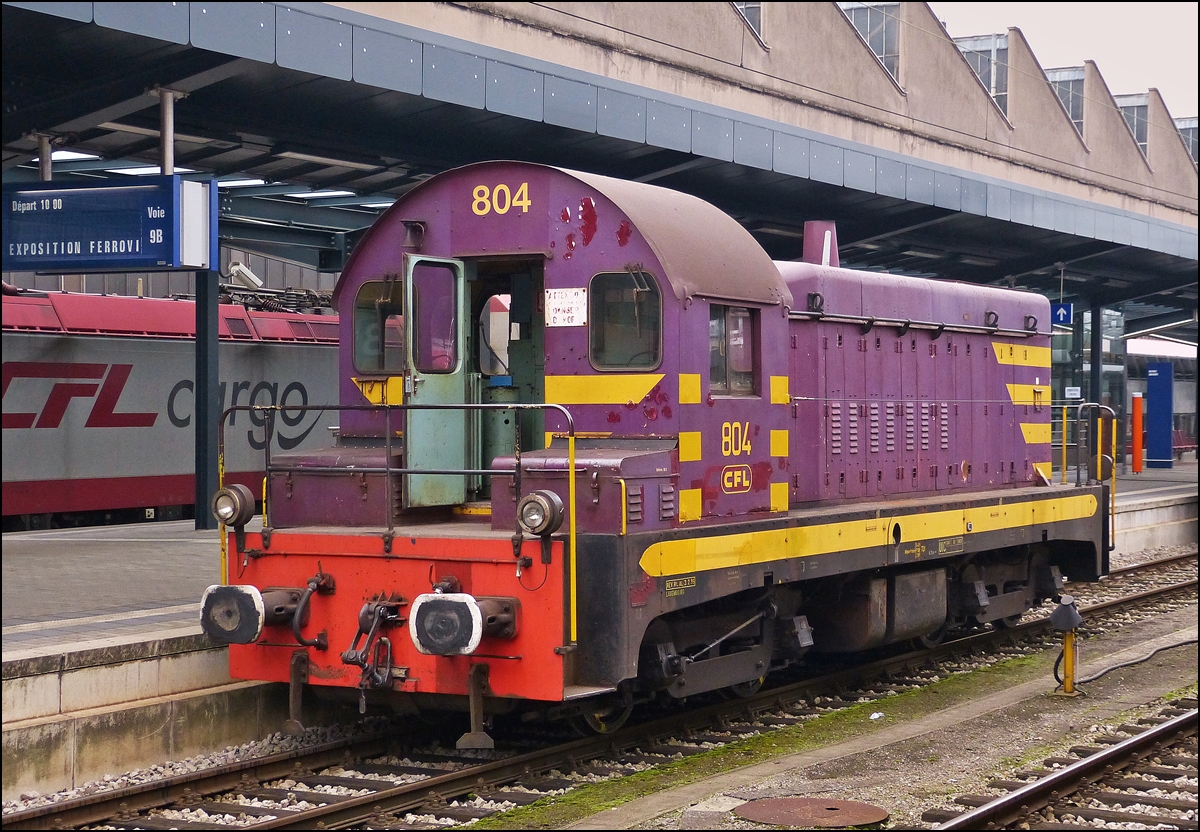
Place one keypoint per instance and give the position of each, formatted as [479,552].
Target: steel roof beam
[121,95]
[232,230]
[293,213]
[1145,288]
[1049,260]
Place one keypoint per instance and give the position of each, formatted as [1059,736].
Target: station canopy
[306,162]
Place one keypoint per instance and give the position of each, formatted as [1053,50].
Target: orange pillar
[1137,433]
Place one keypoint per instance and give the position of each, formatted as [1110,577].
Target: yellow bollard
[1070,660]
[1066,619]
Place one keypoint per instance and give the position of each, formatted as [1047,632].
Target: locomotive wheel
[602,718]
[744,689]
[930,640]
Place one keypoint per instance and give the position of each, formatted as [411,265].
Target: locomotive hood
[703,251]
[673,223]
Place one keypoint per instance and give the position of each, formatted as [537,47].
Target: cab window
[435,308]
[731,344]
[625,321]
[379,327]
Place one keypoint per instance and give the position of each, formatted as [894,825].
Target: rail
[97,807]
[268,414]
[1016,804]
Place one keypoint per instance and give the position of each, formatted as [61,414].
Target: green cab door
[436,373]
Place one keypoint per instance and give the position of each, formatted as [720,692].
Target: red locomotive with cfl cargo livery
[98,398]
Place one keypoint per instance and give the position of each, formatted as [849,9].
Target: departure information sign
[152,223]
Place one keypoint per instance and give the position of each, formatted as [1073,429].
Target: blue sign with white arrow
[1062,314]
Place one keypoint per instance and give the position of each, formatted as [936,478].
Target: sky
[1135,45]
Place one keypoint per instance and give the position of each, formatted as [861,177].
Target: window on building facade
[1135,109]
[988,56]
[1187,131]
[879,25]
[752,12]
[1068,84]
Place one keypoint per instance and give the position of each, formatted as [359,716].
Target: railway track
[377,783]
[1141,774]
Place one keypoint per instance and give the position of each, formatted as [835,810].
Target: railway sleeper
[316,798]
[939,815]
[462,814]
[519,798]
[357,783]
[158,822]
[1137,783]
[213,807]
[1108,816]
[1120,799]
[672,750]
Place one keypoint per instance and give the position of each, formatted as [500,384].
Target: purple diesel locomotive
[594,447]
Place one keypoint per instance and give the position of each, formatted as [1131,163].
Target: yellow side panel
[689,445]
[993,518]
[600,389]
[779,496]
[1036,433]
[1035,394]
[779,390]
[1020,355]
[779,443]
[680,557]
[689,388]
[691,504]
[380,391]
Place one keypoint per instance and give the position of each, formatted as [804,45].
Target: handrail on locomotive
[270,412]
[1083,441]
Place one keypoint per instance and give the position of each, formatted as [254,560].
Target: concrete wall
[68,750]
[1170,521]
[1169,157]
[819,75]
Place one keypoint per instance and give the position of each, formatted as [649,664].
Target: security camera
[242,274]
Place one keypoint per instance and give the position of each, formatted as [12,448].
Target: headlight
[233,505]
[540,513]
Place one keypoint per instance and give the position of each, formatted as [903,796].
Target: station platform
[68,588]
[103,653]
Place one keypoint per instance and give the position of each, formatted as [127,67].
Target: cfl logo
[736,479]
[104,382]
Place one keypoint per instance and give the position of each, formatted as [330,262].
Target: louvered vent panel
[835,428]
[910,427]
[634,504]
[874,428]
[891,428]
[666,502]
[853,414]
[945,423]
[924,426]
